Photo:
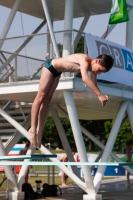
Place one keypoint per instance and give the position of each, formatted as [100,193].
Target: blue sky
[96,25]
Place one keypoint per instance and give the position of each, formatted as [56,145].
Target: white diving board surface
[66,163]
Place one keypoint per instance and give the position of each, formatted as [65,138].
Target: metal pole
[129,30]
[45,7]
[48,43]
[130,114]
[68,23]
[9,22]
[63,138]
[48,170]
[16,68]
[78,139]
[81,29]
[24,168]
[111,27]
[110,144]
[8,171]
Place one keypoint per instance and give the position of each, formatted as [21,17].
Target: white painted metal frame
[95,140]
[110,144]
[68,23]
[63,138]
[88,185]
[68,95]
[9,21]
[8,170]
[24,168]
[81,29]
[78,139]
[21,47]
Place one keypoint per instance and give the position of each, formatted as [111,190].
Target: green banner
[119,12]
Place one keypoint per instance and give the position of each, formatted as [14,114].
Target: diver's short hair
[106,61]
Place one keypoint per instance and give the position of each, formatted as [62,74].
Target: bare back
[71,63]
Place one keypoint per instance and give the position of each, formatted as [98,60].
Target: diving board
[33,157]
[65,163]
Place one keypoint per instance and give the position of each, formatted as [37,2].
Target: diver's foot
[32,135]
[39,140]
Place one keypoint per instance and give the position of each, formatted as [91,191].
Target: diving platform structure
[72,99]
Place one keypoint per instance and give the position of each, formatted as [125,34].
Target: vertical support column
[49,46]
[9,22]
[68,23]
[130,114]
[110,144]
[8,171]
[78,139]
[63,138]
[45,7]
[129,30]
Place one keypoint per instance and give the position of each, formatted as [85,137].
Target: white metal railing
[27,57]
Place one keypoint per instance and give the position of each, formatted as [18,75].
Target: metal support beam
[9,173]
[110,28]
[97,159]
[68,24]
[78,139]
[129,30]
[24,168]
[130,114]
[45,7]
[81,29]
[9,22]
[21,47]
[110,144]
[63,138]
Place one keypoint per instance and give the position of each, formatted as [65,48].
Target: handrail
[38,34]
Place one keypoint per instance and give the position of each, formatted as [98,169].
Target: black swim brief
[50,67]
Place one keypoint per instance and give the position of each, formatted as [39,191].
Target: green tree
[80,46]
[50,133]
[124,135]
